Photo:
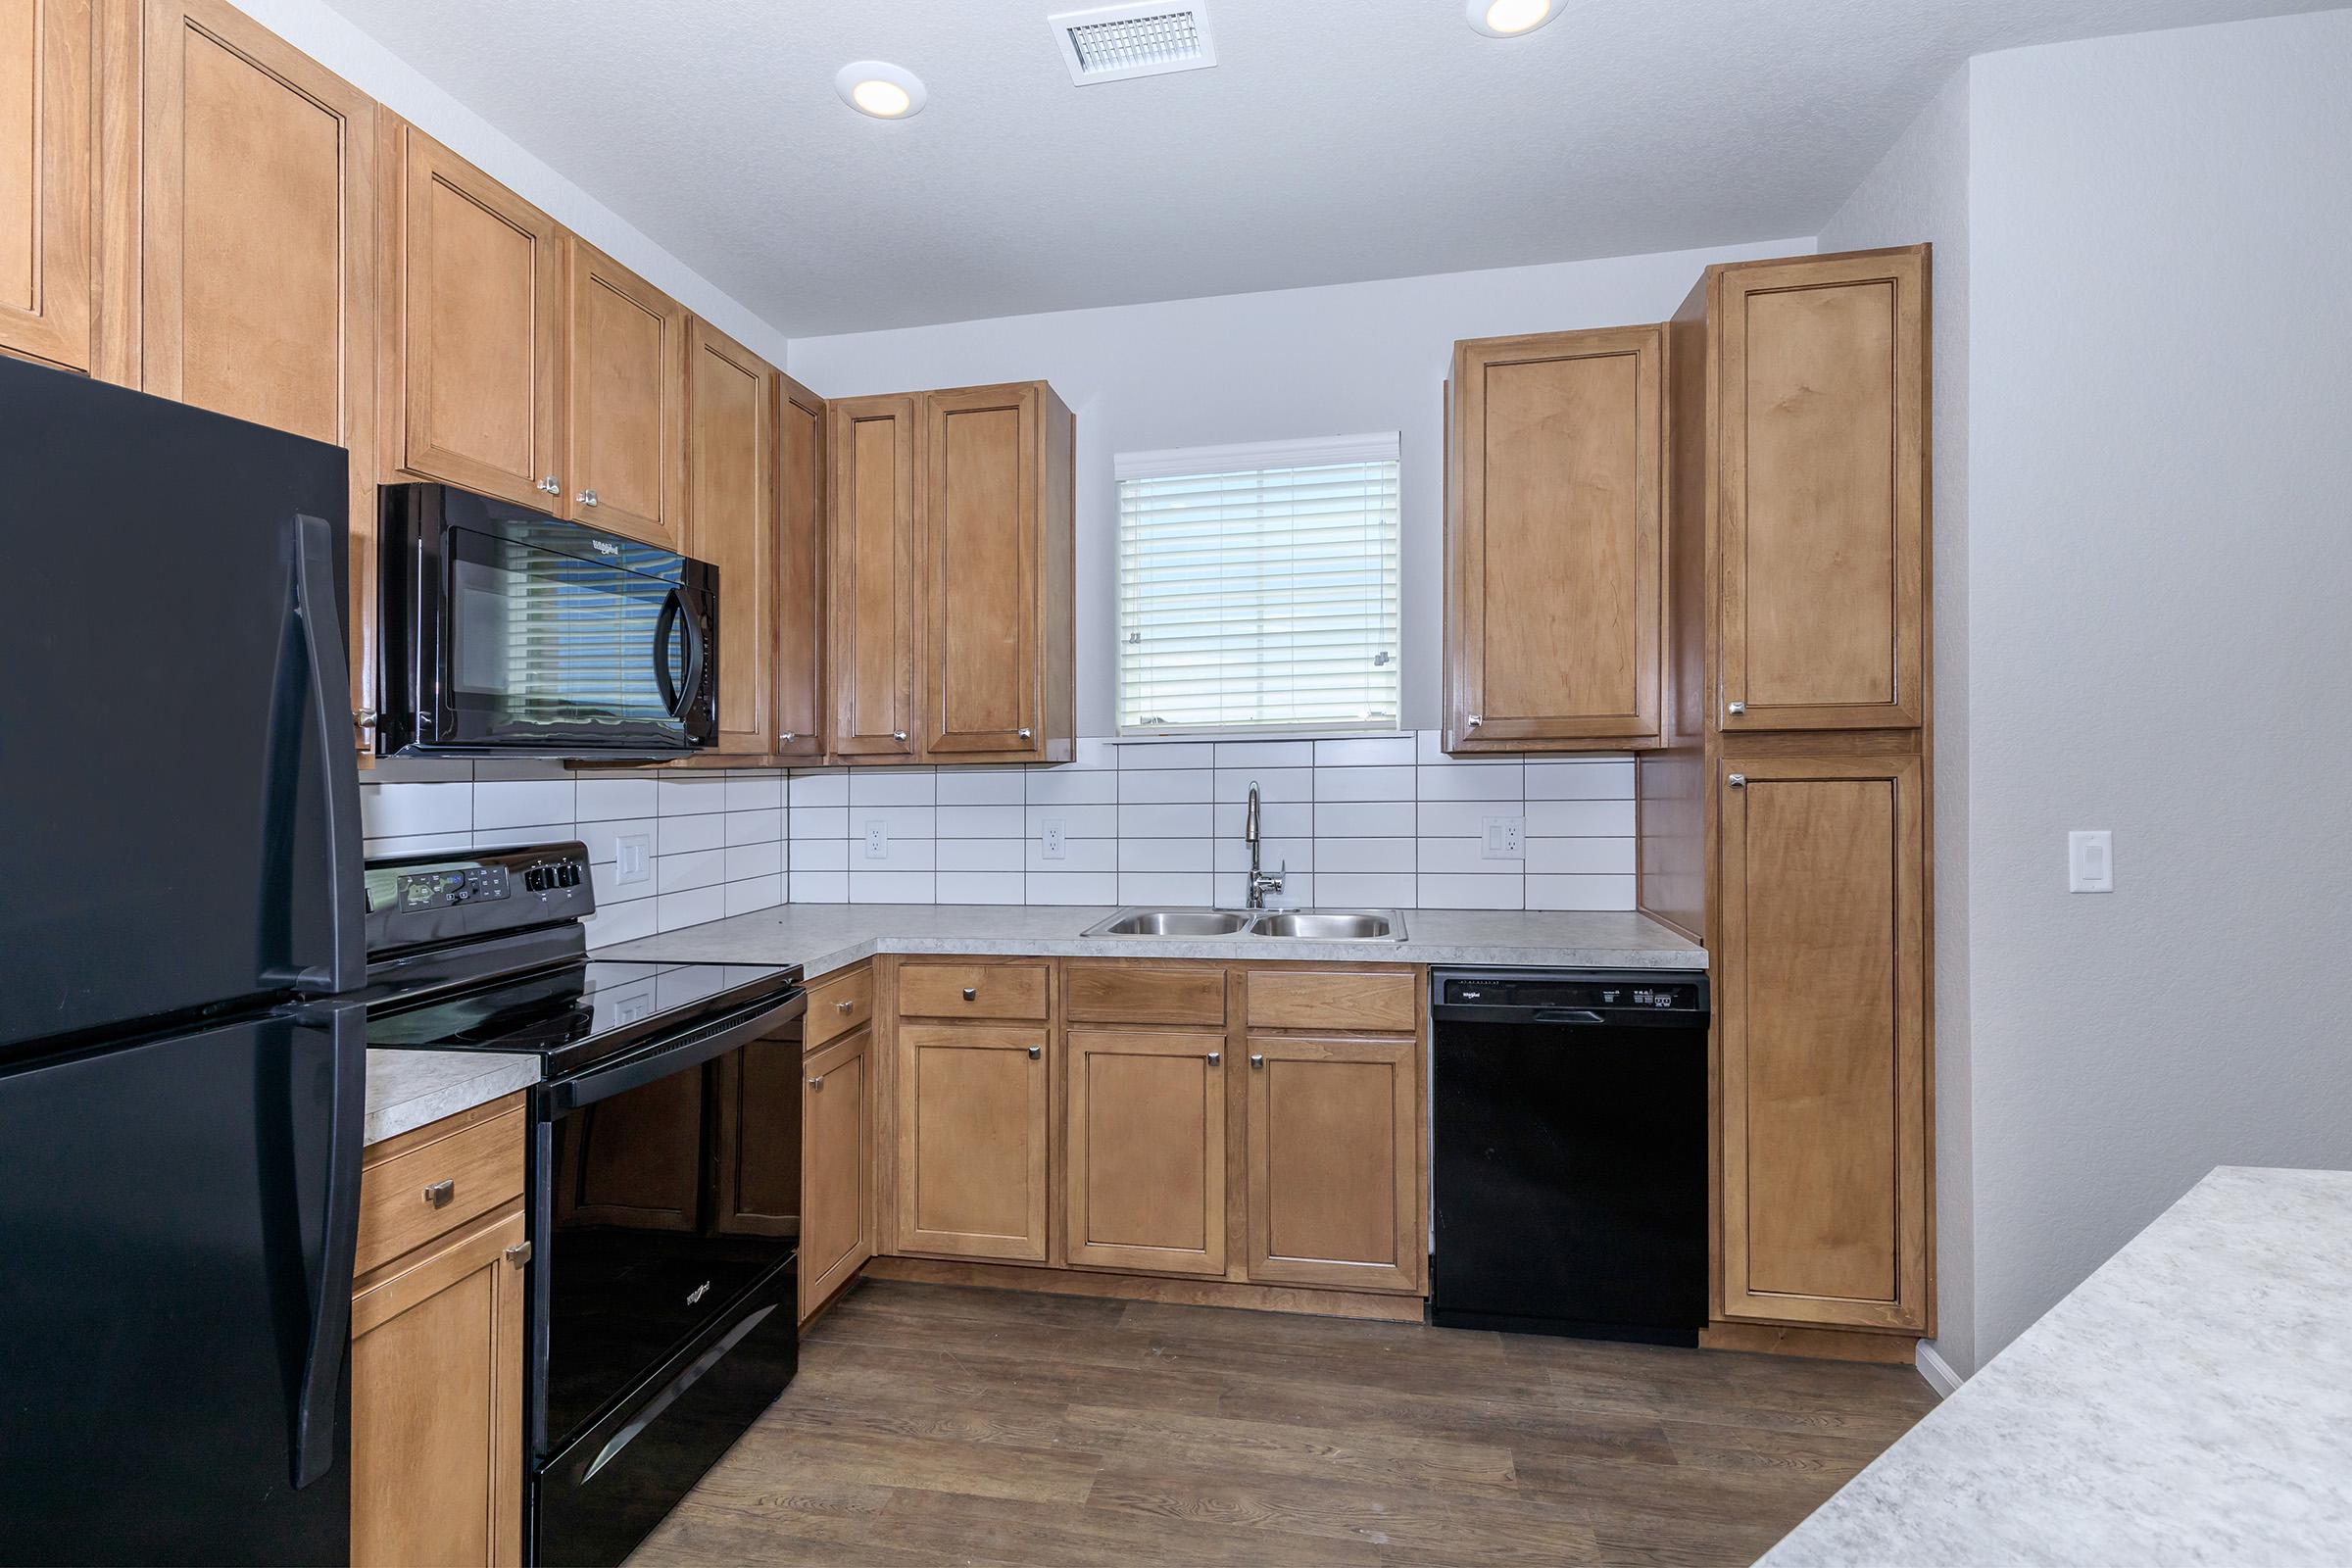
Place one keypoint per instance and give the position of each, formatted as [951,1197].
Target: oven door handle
[689,1050]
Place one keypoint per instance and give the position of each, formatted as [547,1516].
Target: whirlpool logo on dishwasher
[698,1292]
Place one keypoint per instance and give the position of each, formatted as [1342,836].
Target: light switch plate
[2090,861]
[633,858]
[1507,838]
[878,841]
[1055,844]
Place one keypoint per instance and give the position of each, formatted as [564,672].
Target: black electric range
[663,1174]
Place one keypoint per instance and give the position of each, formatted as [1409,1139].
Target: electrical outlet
[1056,847]
[633,858]
[2090,861]
[1507,838]
[878,841]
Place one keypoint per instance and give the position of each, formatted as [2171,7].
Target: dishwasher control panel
[1528,990]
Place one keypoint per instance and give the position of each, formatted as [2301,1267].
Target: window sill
[1188,737]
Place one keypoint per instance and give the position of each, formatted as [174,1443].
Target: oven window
[539,638]
[668,1202]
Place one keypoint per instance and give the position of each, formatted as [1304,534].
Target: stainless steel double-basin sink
[1298,925]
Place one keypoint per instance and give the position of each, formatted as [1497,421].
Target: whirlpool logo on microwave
[604,547]
[698,1292]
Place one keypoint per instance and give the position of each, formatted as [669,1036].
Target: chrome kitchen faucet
[1261,883]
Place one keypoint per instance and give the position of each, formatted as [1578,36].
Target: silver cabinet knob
[817,1083]
[1738,781]
[439,1194]
[519,1254]
[1035,1053]
[1735,709]
[1025,735]
[899,735]
[587,497]
[847,1005]
[971,993]
[552,485]
[1215,1056]
[787,738]
[1473,721]
[1257,1061]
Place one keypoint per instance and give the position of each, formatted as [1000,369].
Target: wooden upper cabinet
[1554,543]
[627,344]
[799,662]
[479,330]
[1146,1139]
[48,73]
[1821,1018]
[730,523]
[1822,431]
[971,1137]
[1335,1163]
[870,575]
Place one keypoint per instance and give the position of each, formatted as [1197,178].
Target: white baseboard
[1937,1370]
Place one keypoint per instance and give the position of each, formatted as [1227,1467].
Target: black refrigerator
[180,1087]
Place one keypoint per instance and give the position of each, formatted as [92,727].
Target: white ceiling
[1336,140]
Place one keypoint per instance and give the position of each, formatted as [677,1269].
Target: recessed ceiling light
[1508,19]
[881,89]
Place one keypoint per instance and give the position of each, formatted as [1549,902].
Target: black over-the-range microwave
[507,632]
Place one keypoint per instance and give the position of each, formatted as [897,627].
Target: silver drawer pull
[439,1194]
[1735,709]
[899,735]
[817,1083]
[1035,1053]
[1257,1061]
[1738,781]
[1026,735]
[1215,1056]
[844,1006]
[519,1254]
[971,993]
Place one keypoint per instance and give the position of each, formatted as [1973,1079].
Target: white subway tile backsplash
[1490,781]
[604,799]
[1580,891]
[1077,821]
[754,792]
[682,835]
[982,822]
[1273,783]
[1428,753]
[982,787]
[898,821]
[1385,751]
[604,838]
[819,855]
[1461,819]
[891,887]
[1074,887]
[1062,787]
[608,890]
[622,922]
[418,844]
[1363,784]
[828,788]
[675,873]
[691,793]
[1465,858]
[1575,820]
[1094,753]
[1150,755]
[1364,819]
[898,855]
[1232,855]
[403,810]
[982,887]
[1289,819]
[817,887]
[695,906]
[1165,854]
[522,803]
[755,859]
[1580,857]
[1358,890]
[982,855]
[754,894]
[1265,754]
[1166,887]
[894,787]
[1165,784]
[1165,820]
[817,822]
[1452,891]
[1598,779]
[1365,854]
[1078,855]
[754,828]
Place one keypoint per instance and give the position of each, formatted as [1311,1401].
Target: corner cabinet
[48,147]
[1821,430]
[1554,544]
[950,576]
[1821,1019]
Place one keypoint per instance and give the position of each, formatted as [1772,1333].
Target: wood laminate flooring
[933,1425]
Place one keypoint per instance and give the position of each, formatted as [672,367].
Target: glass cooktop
[577,1012]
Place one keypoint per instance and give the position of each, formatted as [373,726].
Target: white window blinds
[1258,587]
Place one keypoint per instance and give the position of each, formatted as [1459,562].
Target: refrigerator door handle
[329,673]
[315,1440]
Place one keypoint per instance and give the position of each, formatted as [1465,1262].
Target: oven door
[668,1198]
[543,637]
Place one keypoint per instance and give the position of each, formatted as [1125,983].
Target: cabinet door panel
[625,425]
[1555,554]
[1335,1163]
[971,1134]
[730,493]
[1822,1024]
[836,1231]
[870,588]
[980,544]
[799,571]
[481,330]
[1146,1175]
[1824,494]
[436,1406]
[48,64]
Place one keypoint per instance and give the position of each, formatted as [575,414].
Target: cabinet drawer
[837,1004]
[972,991]
[1385,1000]
[1173,993]
[412,1196]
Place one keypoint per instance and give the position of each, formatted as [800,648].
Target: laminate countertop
[2190,1403]
[823,937]
[407,1089]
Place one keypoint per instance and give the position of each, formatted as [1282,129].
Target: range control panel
[415,899]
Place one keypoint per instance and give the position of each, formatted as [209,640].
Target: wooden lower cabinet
[1145,1141]
[971,1136]
[837,1166]
[1821,1019]
[1334,1164]
[437,1366]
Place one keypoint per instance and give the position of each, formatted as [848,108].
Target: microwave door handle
[662,627]
[697,650]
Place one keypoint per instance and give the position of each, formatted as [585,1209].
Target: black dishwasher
[1570,1143]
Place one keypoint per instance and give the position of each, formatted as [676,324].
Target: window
[1258,587]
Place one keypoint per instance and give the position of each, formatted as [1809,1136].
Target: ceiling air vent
[1110,43]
